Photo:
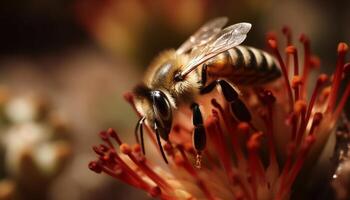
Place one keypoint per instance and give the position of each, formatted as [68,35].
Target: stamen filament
[342,49]
[273,45]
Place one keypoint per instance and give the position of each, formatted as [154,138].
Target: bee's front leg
[238,108]
[204,75]
[199,136]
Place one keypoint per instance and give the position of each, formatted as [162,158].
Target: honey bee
[176,77]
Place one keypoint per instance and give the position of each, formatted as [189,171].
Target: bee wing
[203,35]
[228,38]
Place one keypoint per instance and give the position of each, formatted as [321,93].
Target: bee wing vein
[225,40]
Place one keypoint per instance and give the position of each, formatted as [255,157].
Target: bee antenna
[139,127]
[136,129]
[141,135]
[160,144]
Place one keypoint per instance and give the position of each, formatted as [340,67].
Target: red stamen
[273,45]
[296,81]
[320,81]
[306,68]
[155,192]
[288,34]
[270,36]
[243,128]
[267,98]
[113,158]
[342,49]
[342,102]
[309,140]
[255,165]
[98,151]
[229,122]
[111,132]
[293,121]
[184,162]
[315,62]
[105,137]
[129,97]
[284,175]
[118,173]
[103,148]
[131,174]
[298,113]
[141,163]
[291,50]
[217,138]
[94,166]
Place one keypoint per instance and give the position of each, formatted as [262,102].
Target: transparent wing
[225,40]
[204,34]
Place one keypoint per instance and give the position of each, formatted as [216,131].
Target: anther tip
[342,47]
[271,36]
[155,191]
[296,81]
[136,148]
[315,62]
[103,135]
[322,78]
[128,96]
[254,141]
[94,166]
[243,127]
[272,43]
[291,49]
[286,29]
[303,38]
[300,106]
[125,148]
[111,132]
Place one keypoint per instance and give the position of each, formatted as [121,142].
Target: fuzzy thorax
[160,75]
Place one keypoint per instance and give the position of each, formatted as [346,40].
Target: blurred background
[64,65]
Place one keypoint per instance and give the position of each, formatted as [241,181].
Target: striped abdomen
[244,65]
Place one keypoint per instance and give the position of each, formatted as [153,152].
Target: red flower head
[256,160]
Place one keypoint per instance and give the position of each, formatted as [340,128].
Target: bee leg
[238,108]
[204,75]
[199,135]
[210,87]
[159,143]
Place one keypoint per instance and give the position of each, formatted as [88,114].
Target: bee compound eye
[161,105]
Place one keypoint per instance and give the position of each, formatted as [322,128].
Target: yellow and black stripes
[251,66]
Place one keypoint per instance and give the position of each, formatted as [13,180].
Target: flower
[34,143]
[256,160]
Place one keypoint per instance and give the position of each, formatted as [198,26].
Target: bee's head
[155,106]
